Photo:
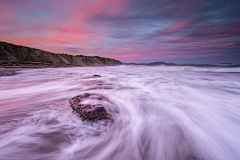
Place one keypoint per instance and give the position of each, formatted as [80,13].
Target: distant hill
[150,64]
[159,63]
[21,56]
[223,65]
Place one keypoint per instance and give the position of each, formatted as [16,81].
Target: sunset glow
[188,31]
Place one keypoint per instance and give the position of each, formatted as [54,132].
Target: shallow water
[160,113]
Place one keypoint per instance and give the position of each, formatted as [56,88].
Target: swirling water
[160,113]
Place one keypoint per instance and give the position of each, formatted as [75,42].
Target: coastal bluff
[20,56]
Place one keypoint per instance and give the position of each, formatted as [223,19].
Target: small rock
[95,75]
[7,73]
[89,112]
[52,121]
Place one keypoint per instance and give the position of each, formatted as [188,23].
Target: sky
[140,31]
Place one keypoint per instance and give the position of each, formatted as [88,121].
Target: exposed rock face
[89,112]
[14,55]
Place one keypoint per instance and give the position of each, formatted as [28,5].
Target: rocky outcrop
[15,55]
[90,112]
[7,73]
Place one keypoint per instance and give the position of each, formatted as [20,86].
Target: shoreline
[11,71]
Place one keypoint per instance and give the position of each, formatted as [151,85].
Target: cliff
[15,55]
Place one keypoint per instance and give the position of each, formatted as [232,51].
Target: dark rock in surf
[97,75]
[7,73]
[90,112]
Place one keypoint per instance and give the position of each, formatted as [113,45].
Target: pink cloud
[133,41]
[186,41]
[191,48]
[212,55]
[177,26]
[86,9]
[183,10]
[129,55]
[127,49]
[227,45]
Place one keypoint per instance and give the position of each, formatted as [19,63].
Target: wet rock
[97,75]
[90,112]
[52,122]
[7,73]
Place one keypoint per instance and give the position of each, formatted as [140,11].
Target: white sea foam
[160,112]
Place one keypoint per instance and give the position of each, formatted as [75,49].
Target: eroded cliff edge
[21,56]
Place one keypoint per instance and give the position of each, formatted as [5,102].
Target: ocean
[159,112]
